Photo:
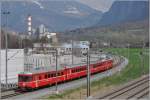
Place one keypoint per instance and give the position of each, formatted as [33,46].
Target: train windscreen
[25,78]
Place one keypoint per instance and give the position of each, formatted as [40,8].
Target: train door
[66,73]
[36,80]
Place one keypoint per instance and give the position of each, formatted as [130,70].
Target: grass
[132,71]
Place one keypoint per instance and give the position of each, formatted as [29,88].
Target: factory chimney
[29,24]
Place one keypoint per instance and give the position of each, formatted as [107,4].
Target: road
[70,85]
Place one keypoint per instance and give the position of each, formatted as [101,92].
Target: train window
[72,71]
[49,75]
[77,70]
[25,78]
[40,78]
[62,73]
[54,75]
[58,74]
[46,76]
[94,66]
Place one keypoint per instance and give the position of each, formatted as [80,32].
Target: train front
[25,81]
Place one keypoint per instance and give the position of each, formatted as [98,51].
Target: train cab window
[25,78]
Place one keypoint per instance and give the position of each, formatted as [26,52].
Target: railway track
[11,93]
[15,92]
[135,89]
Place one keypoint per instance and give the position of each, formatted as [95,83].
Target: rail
[135,89]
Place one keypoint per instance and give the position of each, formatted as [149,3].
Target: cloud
[102,5]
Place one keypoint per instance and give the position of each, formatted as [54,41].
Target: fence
[9,86]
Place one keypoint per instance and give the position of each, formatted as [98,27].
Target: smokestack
[29,25]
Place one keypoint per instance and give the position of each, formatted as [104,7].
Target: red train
[35,80]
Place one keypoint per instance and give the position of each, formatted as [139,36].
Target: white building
[64,48]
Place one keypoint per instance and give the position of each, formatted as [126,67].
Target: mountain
[125,11]
[120,34]
[56,15]
[125,22]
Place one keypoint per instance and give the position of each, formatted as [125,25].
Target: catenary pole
[6,13]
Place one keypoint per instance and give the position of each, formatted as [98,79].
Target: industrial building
[63,48]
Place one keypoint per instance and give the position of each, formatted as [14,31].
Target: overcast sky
[102,5]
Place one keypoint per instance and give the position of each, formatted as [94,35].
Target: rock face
[56,15]
[125,11]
